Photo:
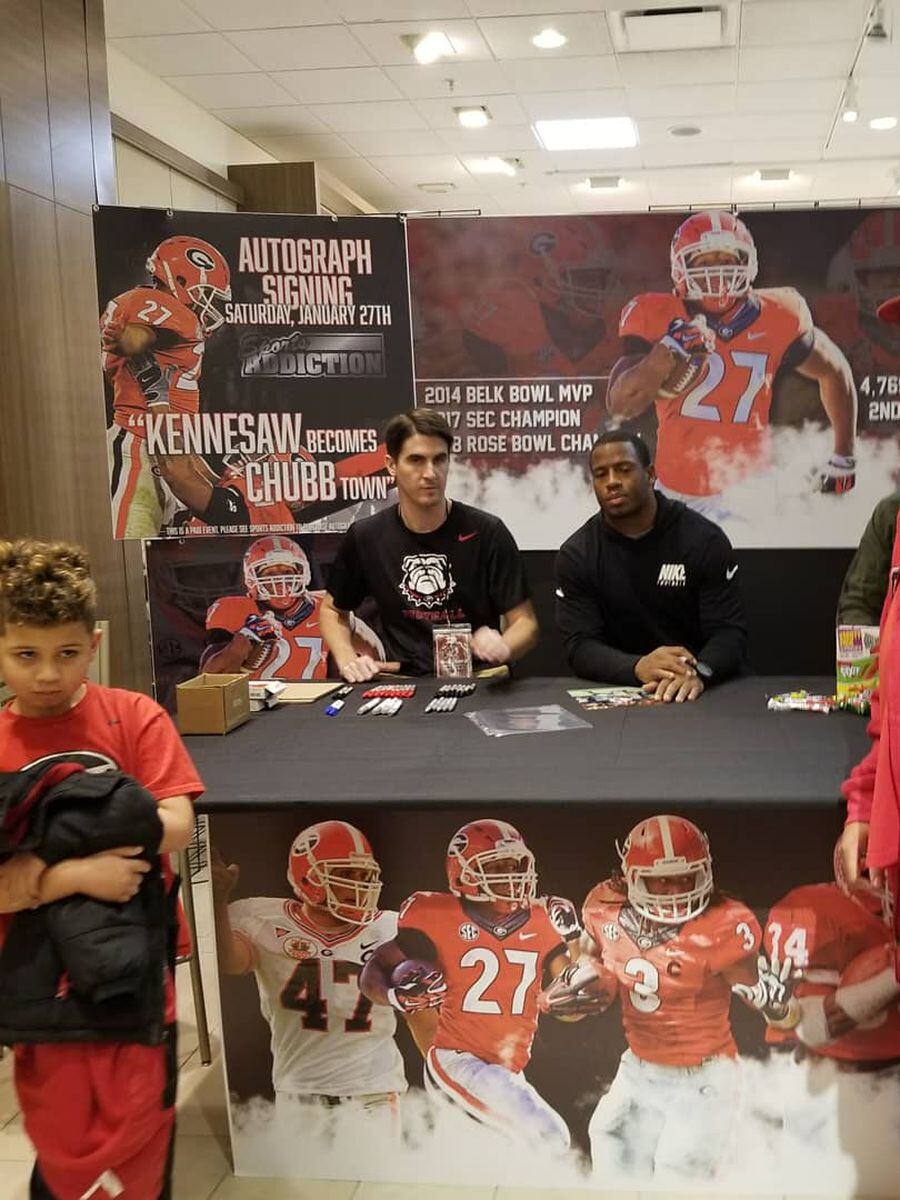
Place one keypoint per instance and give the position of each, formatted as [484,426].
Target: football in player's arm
[689,353]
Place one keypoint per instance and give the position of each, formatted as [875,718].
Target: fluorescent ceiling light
[671,29]
[604,183]
[491,166]
[773,175]
[437,189]
[473,118]
[429,47]
[850,110]
[587,133]
[883,123]
[549,39]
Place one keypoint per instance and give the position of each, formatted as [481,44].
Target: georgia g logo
[199,258]
[427,580]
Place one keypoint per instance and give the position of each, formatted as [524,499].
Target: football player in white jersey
[333,1052]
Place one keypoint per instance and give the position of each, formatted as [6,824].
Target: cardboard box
[213,703]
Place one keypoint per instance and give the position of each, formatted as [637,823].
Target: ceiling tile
[325,87]
[496,139]
[550,106]
[231,91]
[815,95]
[782,125]
[469,78]
[503,110]
[777,150]
[694,66]
[689,189]
[136,18]
[394,142]
[401,10]
[656,130]
[561,74]
[274,121]
[184,54]
[745,189]
[595,162]
[359,175]
[307,147]
[510,37]
[263,14]
[382,40]
[403,171]
[512,8]
[387,115]
[672,154]
[825,60]
[775,22]
[674,102]
[314,46]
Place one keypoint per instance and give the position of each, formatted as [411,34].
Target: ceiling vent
[697,27]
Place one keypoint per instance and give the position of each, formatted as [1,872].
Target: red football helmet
[476,849]
[875,254]
[718,287]
[331,865]
[660,848]
[575,267]
[290,582]
[195,273]
[874,900]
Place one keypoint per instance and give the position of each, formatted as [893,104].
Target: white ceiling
[322,79]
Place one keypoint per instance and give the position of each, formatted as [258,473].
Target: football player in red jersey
[152,340]
[677,948]
[549,317]
[479,956]
[707,355]
[217,491]
[273,631]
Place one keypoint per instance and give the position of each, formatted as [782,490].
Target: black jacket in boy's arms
[619,598]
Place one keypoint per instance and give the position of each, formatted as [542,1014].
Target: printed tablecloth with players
[778,419]
[251,362]
[553,997]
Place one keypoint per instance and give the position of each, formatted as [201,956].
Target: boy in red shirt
[101,1115]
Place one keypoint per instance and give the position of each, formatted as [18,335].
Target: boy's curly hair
[45,583]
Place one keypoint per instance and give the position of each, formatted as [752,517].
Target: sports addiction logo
[313,355]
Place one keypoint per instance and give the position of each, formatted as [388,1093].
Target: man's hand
[773,991]
[837,476]
[20,882]
[580,989]
[488,646]
[114,876]
[224,877]
[361,668]
[258,628]
[415,986]
[665,662]
[851,847]
[679,689]
[687,338]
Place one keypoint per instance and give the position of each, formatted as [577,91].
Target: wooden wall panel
[23,97]
[69,103]
[277,187]
[98,87]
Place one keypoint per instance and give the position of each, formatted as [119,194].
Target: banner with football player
[744,349]
[250,363]
[594,997]
[241,604]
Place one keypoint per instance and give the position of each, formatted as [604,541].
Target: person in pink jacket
[871,838]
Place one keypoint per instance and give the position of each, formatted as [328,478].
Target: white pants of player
[375,1116]
[658,1120]
[496,1097]
[141,502]
[712,506]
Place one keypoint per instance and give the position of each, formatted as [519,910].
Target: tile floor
[202,1163]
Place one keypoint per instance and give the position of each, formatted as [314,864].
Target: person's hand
[21,881]
[837,476]
[258,628]
[114,875]
[224,877]
[665,662]
[687,338]
[488,646]
[851,847]
[772,994]
[679,689]
[416,986]
[362,667]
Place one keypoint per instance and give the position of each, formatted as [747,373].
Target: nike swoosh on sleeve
[732,571]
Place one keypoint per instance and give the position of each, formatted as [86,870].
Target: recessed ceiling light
[587,133]
[473,118]
[685,130]
[492,166]
[549,39]
[437,189]
[429,47]
[773,175]
[604,183]
[883,123]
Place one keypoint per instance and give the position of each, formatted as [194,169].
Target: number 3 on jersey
[716,366]
[303,993]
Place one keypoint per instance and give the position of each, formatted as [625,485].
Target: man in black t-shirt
[646,590]
[427,561]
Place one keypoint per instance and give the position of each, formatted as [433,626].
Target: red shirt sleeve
[160,762]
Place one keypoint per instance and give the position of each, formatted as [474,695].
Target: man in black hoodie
[647,590]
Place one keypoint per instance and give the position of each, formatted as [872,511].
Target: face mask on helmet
[714,284]
[669,907]
[277,573]
[498,875]
[348,886]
